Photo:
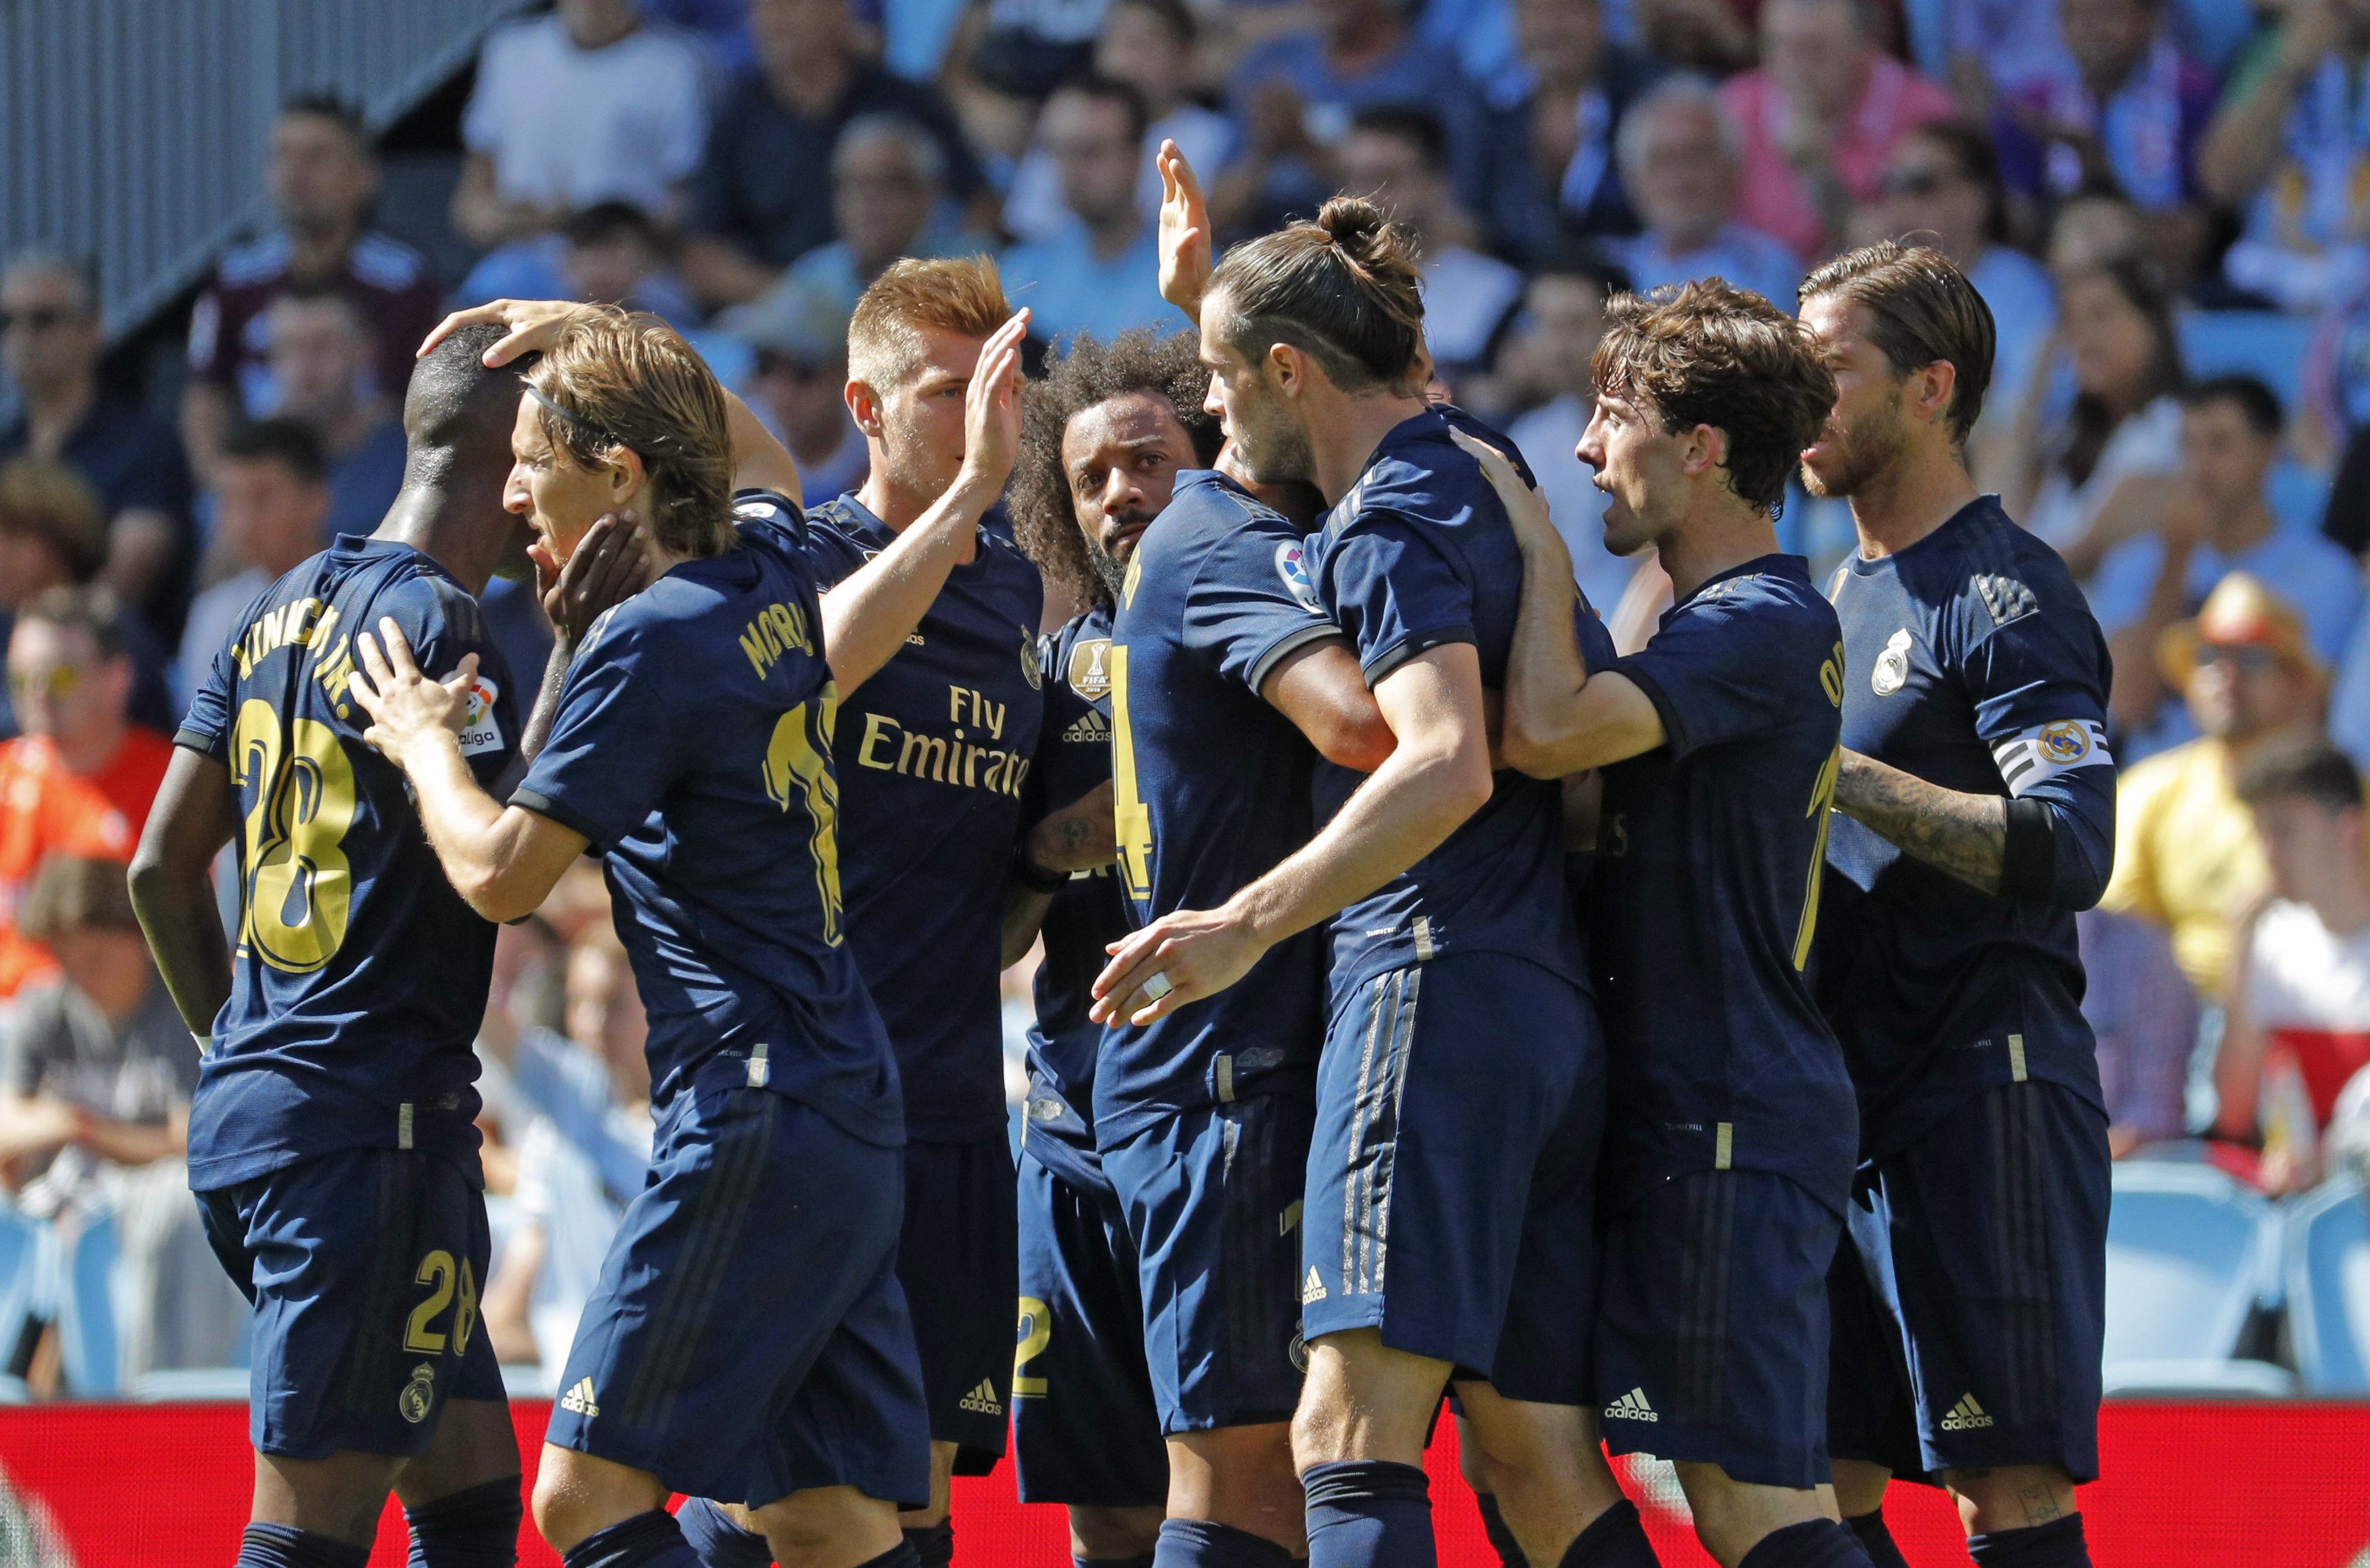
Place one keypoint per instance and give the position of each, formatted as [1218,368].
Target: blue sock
[1206,1543]
[2057,1544]
[1876,1540]
[477,1527]
[645,1540]
[934,1545]
[285,1546]
[717,1540]
[1493,1525]
[1614,1539]
[1813,1543]
[1141,1559]
[1368,1514]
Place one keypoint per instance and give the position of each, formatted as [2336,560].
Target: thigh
[1871,1416]
[858,1417]
[956,1261]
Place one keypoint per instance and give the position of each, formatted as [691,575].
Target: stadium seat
[190,1385]
[2266,344]
[2192,1255]
[2326,1266]
[18,1236]
[87,1332]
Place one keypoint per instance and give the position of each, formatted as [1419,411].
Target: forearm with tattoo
[1965,835]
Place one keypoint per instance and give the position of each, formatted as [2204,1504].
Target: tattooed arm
[1965,835]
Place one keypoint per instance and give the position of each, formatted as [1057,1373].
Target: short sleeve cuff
[206,743]
[1290,642]
[1381,663]
[1674,728]
[560,811]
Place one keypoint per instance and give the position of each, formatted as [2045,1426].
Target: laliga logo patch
[480,733]
[1291,565]
[418,1395]
[1033,665]
[2064,742]
[1892,671]
[1090,671]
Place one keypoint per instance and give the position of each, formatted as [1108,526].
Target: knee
[2011,1497]
[1319,1431]
[558,1507]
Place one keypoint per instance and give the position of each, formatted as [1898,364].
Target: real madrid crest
[418,1396]
[1032,668]
[2064,743]
[1090,671]
[1892,671]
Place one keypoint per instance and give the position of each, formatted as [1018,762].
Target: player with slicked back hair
[1977,802]
[1459,1089]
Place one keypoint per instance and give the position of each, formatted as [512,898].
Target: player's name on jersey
[303,622]
[893,748]
[775,630]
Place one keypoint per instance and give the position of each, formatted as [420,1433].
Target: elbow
[1359,744]
[1527,751]
[1465,783]
[497,897]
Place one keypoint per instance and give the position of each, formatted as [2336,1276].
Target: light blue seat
[86,1333]
[19,1240]
[2268,345]
[2191,1254]
[191,1385]
[2327,1265]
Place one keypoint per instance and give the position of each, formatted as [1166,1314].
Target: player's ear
[1288,367]
[1703,449]
[863,406]
[1934,386]
[626,473]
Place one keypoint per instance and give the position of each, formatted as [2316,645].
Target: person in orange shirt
[79,779]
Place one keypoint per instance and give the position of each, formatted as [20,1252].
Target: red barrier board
[2269,1486]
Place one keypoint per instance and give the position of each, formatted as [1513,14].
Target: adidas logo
[1966,1416]
[1631,1406]
[578,1399]
[1313,1291]
[1089,726]
[981,1401]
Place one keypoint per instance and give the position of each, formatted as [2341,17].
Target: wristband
[1033,877]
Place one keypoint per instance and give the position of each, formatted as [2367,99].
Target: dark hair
[326,104]
[1343,290]
[322,291]
[2257,403]
[293,446]
[1174,15]
[94,610]
[55,504]
[1706,353]
[1978,156]
[450,402]
[2310,770]
[2093,423]
[1921,310]
[607,221]
[1569,258]
[1111,89]
[72,893]
[1094,371]
[1419,127]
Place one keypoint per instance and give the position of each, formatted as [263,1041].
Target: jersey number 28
[298,886]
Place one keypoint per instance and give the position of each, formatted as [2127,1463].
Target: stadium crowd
[2110,173]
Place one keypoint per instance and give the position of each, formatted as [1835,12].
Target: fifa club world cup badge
[1892,671]
[1090,671]
[418,1394]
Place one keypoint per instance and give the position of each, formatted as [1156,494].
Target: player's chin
[1121,546]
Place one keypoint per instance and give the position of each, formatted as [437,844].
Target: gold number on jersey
[1823,801]
[299,887]
[436,1272]
[1130,817]
[1036,1333]
[798,767]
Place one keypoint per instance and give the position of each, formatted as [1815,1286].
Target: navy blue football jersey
[1417,555]
[1705,894]
[1074,756]
[934,755]
[693,749]
[1972,661]
[358,976]
[1210,788]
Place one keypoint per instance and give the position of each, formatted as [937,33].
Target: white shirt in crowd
[2308,994]
[571,127]
[1546,437]
[1467,295]
[2148,442]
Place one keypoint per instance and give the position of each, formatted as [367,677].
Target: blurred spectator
[1148,44]
[755,203]
[2186,855]
[610,253]
[1997,47]
[1678,151]
[2288,147]
[80,778]
[1292,98]
[1943,186]
[272,506]
[1818,117]
[2218,520]
[800,337]
[323,177]
[50,344]
[2109,469]
[1031,47]
[583,106]
[51,536]
[1400,157]
[2297,1019]
[2092,232]
[1552,125]
[1102,274]
[320,366]
[2139,1005]
[1562,317]
[888,190]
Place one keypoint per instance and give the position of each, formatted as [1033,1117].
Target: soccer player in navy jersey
[1459,1089]
[1977,801]
[333,1142]
[1729,1123]
[748,1341]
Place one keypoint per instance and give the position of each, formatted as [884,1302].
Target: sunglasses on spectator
[2244,658]
[57,682]
[790,367]
[40,318]
[1916,182]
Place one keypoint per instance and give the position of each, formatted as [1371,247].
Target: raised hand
[403,704]
[610,563]
[1185,263]
[534,325]
[991,409]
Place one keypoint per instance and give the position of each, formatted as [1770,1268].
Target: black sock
[1206,1543]
[717,1540]
[1493,1525]
[645,1540]
[477,1527]
[934,1545]
[285,1546]
[1813,1543]
[1141,1559]
[2057,1544]
[1875,1539]
[1369,1513]
[898,1556]
[1614,1539]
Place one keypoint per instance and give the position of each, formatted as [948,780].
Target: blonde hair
[625,381]
[963,295]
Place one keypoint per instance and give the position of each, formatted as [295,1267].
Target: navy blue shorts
[1213,1201]
[1084,1427]
[364,1267]
[956,1261]
[1712,1331]
[1452,1181]
[747,1338]
[1970,1300]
